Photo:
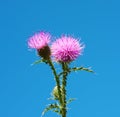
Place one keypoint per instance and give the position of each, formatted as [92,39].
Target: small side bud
[55,93]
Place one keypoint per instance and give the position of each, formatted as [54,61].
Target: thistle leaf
[81,68]
[54,107]
[70,100]
[39,61]
[51,98]
[57,111]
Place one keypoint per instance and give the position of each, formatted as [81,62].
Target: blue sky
[24,89]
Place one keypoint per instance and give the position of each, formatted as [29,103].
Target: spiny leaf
[81,68]
[39,61]
[88,70]
[54,107]
[51,98]
[70,100]
[57,111]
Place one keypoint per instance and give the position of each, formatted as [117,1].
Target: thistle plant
[63,51]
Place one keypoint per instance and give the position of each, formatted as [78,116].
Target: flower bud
[44,52]
[55,93]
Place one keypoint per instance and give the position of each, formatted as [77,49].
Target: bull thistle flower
[66,49]
[39,41]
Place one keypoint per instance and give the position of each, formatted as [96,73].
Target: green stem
[64,82]
[57,80]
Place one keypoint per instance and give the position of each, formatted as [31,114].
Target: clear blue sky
[24,89]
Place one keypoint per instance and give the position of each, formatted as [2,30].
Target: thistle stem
[57,80]
[64,82]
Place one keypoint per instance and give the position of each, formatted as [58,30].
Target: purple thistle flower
[66,49]
[39,40]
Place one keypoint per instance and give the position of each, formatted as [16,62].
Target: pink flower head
[39,40]
[66,49]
